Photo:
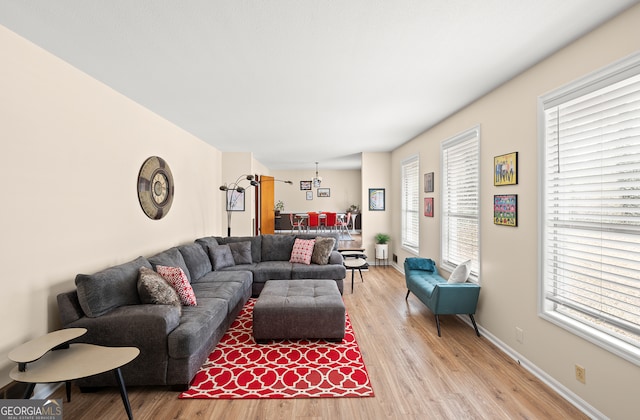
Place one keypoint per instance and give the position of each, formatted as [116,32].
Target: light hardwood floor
[414,373]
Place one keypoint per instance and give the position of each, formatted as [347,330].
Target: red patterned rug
[240,368]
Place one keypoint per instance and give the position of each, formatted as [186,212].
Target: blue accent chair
[441,297]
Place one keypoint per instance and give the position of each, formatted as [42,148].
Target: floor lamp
[232,199]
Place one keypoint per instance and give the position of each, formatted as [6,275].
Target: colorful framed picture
[324,192]
[505,169]
[309,195]
[428,206]
[428,182]
[505,210]
[235,200]
[376,199]
[305,185]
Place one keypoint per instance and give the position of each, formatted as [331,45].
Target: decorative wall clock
[155,187]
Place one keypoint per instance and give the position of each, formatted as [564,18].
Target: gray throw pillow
[322,250]
[154,289]
[221,257]
[241,252]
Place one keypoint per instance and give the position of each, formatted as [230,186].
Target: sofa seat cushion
[424,282]
[111,288]
[317,271]
[196,325]
[272,270]
[244,276]
[232,292]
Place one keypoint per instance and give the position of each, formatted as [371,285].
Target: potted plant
[354,208]
[382,246]
[279,206]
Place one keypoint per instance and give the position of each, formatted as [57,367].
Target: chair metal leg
[473,321]
[407,297]
[438,325]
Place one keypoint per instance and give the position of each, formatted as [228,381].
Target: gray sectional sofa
[174,341]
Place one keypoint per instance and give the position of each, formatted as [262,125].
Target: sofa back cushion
[277,247]
[335,236]
[110,288]
[206,242]
[170,258]
[196,259]
[256,244]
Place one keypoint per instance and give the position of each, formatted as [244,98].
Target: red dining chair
[330,220]
[343,225]
[313,221]
[296,223]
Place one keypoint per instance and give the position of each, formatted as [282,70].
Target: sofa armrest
[336,258]
[455,298]
[142,326]
[69,307]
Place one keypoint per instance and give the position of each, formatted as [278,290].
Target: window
[410,204]
[590,208]
[460,201]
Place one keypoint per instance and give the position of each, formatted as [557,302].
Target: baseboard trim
[564,392]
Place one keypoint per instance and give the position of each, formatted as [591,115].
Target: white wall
[376,169]
[344,185]
[509,270]
[71,152]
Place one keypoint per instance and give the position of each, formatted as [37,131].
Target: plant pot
[382,251]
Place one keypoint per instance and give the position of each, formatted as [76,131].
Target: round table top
[355,262]
[78,361]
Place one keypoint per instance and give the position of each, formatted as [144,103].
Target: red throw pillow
[302,251]
[178,279]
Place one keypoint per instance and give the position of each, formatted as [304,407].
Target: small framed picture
[324,192]
[505,169]
[428,206]
[305,185]
[505,210]
[428,182]
[309,195]
[376,199]
[235,200]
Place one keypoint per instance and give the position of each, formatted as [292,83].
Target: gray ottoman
[297,309]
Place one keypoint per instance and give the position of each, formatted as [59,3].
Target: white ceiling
[300,81]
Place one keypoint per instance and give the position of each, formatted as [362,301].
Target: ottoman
[297,309]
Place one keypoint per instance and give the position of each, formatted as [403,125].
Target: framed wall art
[428,206]
[305,185]
[428,182]
[505,210]
[324,192]
[309,195]
[505,169]
[235,200]
[376,199]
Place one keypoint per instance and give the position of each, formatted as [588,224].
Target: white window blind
[460,200]
[591,210]
[410,204]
